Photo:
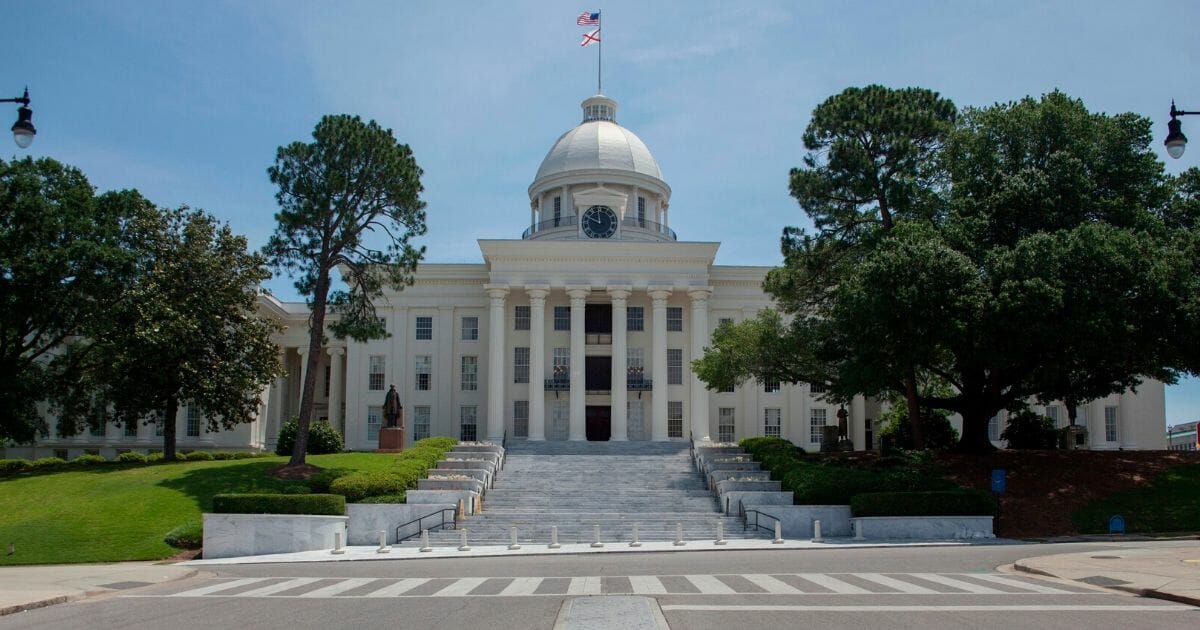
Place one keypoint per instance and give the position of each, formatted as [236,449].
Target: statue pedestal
[391,440]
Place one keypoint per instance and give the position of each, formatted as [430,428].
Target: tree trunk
[1071,404]
[975,434]
[169,415]
[308,389]
[914,410]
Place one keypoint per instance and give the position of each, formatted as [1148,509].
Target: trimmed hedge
[186,536]
[89,460]
[329,504]
[322,438]
[360,485]
[385,486]
[132,457]
[196,456]
[944,503]
[48,462]
[13,465]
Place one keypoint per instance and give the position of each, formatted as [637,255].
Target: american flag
[587,18]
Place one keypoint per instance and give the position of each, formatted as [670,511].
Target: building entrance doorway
[599,423]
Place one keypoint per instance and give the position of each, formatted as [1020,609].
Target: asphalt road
[926,588]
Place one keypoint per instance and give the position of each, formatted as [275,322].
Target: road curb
[16,608]
[1132,590]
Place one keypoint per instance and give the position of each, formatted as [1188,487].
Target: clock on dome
[599,222]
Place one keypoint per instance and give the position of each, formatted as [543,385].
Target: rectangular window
[557,211]
[562,318]
[636,419]
[423,370]
[424,328]
[328,377]
[1081,416]
[725,424]
[96,431]
[562,364]
[674,366]
[994,428]
[470,373]
[521,318]
[1052,413]
[467,423]
[816,423]
[560,421]
[725,321]
[61,453]
[521,418]
[520,365]
[636,358]
[1110,424]
[641,211]
[374,415]
[375,372]
[193,421]
[816,388]
[158,427]
[773,423]
[674,319]
[771,387]
[635,319]
[470,329]
[420,422]
[131,427]
[675,418]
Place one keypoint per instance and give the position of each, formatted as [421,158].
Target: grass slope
[117,512]
[1170,504]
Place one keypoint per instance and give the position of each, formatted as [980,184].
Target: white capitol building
[582,329]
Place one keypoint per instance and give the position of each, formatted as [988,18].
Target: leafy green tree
[353,181]
[65,261]
[187,331]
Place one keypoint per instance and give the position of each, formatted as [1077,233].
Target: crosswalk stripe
[223,586]
[399,588]
[1036,588]
[460,587]
[890,582]
[647,585]
[833,584]
[710,585]
[278,588]
[522,586]
[771,585]
[977,589]
[584,586]
[338,587]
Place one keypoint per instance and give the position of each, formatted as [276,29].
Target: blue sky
[188,101]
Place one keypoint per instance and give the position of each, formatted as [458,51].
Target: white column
[1127,412]
[336,387]
[620,391]
[578,420]
[658,391]
[699,394]
[276,402]
[537,361]
[495,412]
[303,352]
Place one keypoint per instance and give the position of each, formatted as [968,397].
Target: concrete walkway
[26,588]
[1171,573]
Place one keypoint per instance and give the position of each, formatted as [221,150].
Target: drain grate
[120,586]
[1100,580]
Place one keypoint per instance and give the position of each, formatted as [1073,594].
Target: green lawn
[1170,504]
[115,512]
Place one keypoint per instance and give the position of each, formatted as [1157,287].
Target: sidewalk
[1171,573]
[29,587]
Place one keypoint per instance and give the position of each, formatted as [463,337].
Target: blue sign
[1116,524]
[999,480]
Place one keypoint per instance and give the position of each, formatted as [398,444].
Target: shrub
[443,443]
[359,485]
[936,429]
[89,460]
[330,504]
[131,457]
[946,503]
[13,465]
[320,482]
[47,462]
[248,455]
[197,456]
[322,438]
[222,455]
[297,490]
[1028,430]
[154,457]
[387,498]
[827,485]
[190,535]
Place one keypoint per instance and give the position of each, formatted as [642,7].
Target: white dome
[599,143]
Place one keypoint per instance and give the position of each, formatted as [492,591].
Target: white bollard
[512,537]
[816,531]
[778,533]
[720,534]
[463,546]
[858,535]
[679,535]
[337,544]
[596,536]
[635,542]
[425,540]
[383,546]
[554,537]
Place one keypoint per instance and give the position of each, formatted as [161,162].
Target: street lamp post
[1176,142]
[22,130]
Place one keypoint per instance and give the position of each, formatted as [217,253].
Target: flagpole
[599,49]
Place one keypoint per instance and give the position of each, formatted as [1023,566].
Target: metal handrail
[549,224]
[649,226]
[745,516]
[420,522]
